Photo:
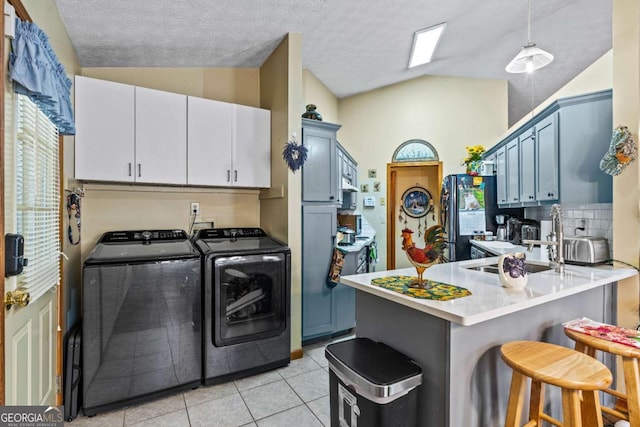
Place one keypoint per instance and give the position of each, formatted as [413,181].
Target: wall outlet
[195,209]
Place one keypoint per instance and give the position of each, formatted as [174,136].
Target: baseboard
[297,354]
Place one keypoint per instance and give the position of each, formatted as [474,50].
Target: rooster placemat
[439,291]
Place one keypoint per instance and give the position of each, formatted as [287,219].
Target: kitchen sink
[493,268]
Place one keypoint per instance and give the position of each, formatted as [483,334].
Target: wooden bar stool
[628,404]
[572,371]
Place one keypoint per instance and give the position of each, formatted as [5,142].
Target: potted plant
[473,159]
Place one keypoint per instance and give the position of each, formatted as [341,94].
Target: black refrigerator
[468,206]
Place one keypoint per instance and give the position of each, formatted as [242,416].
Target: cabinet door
[161,137]
[252,147]
[527,167]
[318,231]
[513,172]
[345,296]
[319,173]
[209,140]
[547,164]
[339,169]
[104,142]
[501,174]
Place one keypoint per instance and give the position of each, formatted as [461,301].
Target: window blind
[37,197]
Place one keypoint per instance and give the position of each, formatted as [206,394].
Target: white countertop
[489,299]
[362,240]
[498,248]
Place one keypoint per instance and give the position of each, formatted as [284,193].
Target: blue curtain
[37,73]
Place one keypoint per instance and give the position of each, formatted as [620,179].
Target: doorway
[416,186]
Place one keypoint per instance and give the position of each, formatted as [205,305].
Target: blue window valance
[37,73]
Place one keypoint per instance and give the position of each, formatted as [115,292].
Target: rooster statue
[421,259]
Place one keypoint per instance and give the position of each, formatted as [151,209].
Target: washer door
[249,301]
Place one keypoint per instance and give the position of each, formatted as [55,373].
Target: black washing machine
[246,293]
[142,314]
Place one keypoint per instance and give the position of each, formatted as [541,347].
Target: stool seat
[627,406]
[575,373]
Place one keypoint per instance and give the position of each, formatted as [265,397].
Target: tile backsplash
[597,218]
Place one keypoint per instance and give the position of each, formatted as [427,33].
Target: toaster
[585,250]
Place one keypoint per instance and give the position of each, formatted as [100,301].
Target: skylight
[424,44]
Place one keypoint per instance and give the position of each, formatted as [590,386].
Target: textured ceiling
[352,46]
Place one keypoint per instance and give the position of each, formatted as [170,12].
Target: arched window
[414,150]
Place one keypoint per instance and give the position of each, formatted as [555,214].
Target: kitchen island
[457,342]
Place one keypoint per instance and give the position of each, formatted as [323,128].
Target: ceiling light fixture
[424,44]
[530,57]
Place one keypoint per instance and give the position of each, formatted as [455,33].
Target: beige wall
[237,85]
[316,93]
[626,111]
[281,92]
[450,113]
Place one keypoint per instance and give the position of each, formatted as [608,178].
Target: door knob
[20,297]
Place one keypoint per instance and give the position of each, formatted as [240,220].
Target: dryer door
[249,301]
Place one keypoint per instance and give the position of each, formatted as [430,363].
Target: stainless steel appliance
[141,318]
[353,221]
[246,289]
[468,206]
[585,250]
[530,231]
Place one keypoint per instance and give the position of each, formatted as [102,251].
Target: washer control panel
[143,236]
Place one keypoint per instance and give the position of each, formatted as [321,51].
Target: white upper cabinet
[228,144]
[133,134]
[209,140]
[252,147]
[105,130]
[161,137]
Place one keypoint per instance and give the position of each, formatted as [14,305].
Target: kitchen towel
[630,337]
[337,262]
[439,291]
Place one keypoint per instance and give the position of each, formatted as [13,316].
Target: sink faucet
[554,242]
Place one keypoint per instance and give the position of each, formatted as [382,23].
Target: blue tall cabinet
[326,310]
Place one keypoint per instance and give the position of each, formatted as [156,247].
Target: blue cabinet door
[547,164]
[319,229]
[513,171]
[527,167]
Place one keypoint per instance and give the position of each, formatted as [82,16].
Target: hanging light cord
[529,24]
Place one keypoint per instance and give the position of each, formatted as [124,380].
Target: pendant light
[530,57]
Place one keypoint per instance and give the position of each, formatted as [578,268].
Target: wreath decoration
[294,155]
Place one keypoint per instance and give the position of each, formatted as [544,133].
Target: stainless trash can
[371,385]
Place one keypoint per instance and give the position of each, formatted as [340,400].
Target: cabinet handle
[228,175]
[515,199]
[331,197]
[530,197]
[235,175]
[549,194]
[129,168]
[139,170]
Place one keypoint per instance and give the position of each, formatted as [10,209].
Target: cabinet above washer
[132,134]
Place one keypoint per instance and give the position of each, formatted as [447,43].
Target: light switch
[382,201]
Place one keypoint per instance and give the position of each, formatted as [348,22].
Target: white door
[252,147]
[104,143]
[161,137]
[209,139]
[30,357]
[32,207]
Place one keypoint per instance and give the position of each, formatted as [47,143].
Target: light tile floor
[297,394]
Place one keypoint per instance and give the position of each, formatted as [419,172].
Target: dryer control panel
[217,233]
